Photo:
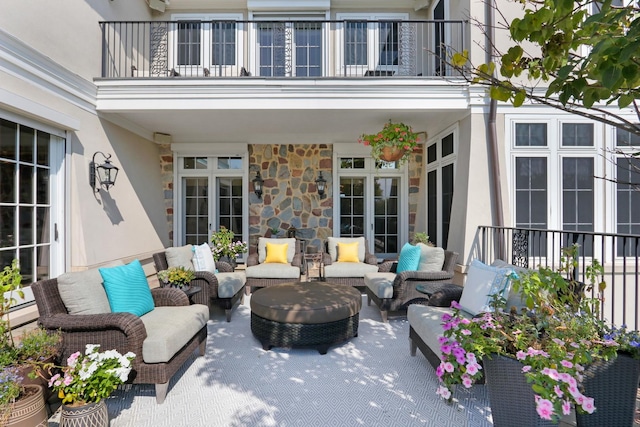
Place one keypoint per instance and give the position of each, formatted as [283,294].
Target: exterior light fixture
[257,184]
[321,184]
[102,174]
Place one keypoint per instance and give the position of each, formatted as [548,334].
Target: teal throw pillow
[127,289]
[409,258]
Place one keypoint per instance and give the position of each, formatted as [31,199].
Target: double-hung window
[627,189]
[206,45]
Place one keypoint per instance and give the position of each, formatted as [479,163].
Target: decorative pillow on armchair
[127,289]
[348,252]
[482,282]
[180,257]
[332,246]
[262,247]
[203,258]
[431,258]
[409,258]
[276,253]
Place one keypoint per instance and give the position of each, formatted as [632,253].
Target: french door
[373,205]
[288,49]
[212,195]
[31,200]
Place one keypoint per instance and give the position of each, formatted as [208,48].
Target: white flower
[91,348]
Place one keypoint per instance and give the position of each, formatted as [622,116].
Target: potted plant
[224,246]
[421,237]
[549,348]
[21,405]
[178,277]
[395,142]
[86,381]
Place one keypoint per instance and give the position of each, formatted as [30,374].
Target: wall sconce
[105,173]
[257,184]
[321,184]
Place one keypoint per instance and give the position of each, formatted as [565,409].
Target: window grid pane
[196,192]
[388,43]
[577,135]
[189,40]
[230,205]
[531,134]
[355,43]
[386,215]
[352,212]
[308,45]
[628,202]
[223,44]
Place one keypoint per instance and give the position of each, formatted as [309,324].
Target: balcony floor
[371,381]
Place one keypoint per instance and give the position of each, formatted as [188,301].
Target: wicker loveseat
[348,273]
[162,339]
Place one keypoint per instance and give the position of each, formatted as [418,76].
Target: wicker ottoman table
[314,314]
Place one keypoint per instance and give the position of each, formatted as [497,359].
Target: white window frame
[211,173]
[254,51]
[205,48]
[437,166]
[373,51]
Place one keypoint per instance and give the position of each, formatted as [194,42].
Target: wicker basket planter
[510,395]
[613,385]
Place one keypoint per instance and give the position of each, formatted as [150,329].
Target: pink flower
[454,304]
[444,392]
[445,349]
[566,364]
[466,381]
[472,368]
[566,407]
[544,408]
[558,390]
[440,371]
[446,317]
[73,359]
[442,340]
[526,368]
[68,379]
[521,355]
[466,332]
[448,366]
[53,379]
[587,405]
[471,358]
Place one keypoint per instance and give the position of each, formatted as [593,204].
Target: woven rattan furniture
[348,273]
[120,331]
[404,284]
[314,314]
[208,282]
[261,275]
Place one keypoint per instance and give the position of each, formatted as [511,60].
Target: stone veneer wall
[290,197]
[166,168]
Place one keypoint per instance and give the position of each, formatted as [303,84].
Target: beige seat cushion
[230,283]
[332,246]
[306,303]
[169,329]
[273,271]
[427,322]
[262,247]
[431,258]
[82,292]
[349,269]
[381,284]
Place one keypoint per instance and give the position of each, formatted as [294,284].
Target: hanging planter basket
[392,154]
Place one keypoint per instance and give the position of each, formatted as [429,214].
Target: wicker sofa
[348,273]
[162,339]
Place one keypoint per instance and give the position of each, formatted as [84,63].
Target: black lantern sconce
[257,184]
[103,174]
[321,184]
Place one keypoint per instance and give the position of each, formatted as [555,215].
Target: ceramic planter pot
[29,411]
[89,415]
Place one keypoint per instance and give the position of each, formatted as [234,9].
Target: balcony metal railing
[531,248]
[289,49]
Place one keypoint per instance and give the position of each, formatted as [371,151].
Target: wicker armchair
[260,275]
[120,331]
[208,283]
[348,273]
[404,284]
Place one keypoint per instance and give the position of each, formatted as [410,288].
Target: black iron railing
[530,248]
[296,49]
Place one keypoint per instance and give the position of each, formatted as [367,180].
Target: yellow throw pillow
[348,252]
[276,253]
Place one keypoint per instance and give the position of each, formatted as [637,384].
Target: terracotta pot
[392,154]
[29,411]
[89,415]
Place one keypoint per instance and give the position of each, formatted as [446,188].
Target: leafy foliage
[177,276]
[397,135]
[223,243]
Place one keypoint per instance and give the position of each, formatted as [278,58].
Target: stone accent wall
[290,197]
[166,168]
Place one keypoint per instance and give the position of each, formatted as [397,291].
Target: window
[440,186]
[627,184]
[290,49]
[206,45]
[370,44]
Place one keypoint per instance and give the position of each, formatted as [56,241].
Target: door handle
[55,231]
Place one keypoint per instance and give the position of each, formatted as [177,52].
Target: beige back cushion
[332,246]
[431,258]
[262,247]
[82,292]
[180,257]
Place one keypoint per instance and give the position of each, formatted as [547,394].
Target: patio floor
[370,380]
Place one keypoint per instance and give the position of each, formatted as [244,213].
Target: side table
[191,292]
[315,258]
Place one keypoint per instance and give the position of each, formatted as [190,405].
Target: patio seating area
[371,380]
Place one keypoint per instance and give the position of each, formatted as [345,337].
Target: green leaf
[499,93]
[610,76]
[460,59]
[625,100]
[519,98]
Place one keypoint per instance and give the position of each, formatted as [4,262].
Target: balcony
[281,49]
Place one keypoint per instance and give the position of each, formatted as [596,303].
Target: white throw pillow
[482,282]
[203,258]
[431,258]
